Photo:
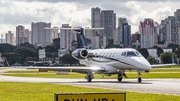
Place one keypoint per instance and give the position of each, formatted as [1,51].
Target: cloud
[14,13]
[92,1]
[78,12]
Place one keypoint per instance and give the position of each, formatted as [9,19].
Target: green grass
[3,68]
[168,67]
[13,91]
[77,75]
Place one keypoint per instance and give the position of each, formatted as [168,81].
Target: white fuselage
[113,60]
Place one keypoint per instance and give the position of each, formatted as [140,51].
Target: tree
[12,58]
[51,49]
[152,60]
[6,48]
[56,43]
[134,46]
[110,41]
[167,57]
[48,54]
[159,51]
[173,47]
[113,46]
[144,52]
[27,44]
[178,52]
[25,52]
[68,59]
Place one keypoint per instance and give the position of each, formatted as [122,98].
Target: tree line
[27,52]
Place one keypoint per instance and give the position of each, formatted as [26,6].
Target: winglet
[173,61]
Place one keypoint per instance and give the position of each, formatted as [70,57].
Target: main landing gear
[89,77]
[120,76]
[139,78]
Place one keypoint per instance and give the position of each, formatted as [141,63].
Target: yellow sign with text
[120,96]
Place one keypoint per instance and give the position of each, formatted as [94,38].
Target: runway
[160,86]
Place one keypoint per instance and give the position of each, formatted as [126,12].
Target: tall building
[25,36]
[156,33]
[135,37]
[126,35]
[177,21]
[162,32]
[19,29]
[108,21]
[105,19]
[169,31]
[66,38]
[54,34]
[39,34]
[118,35]
[147,33]
[10,38]
[96,20]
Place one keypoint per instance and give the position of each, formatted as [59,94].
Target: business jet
[104,61]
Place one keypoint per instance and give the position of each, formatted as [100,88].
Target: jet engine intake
[80,54]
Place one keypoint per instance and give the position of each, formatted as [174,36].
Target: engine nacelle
[80,54]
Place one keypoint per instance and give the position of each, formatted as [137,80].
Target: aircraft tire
[89,79]
[139,80]
[119,79]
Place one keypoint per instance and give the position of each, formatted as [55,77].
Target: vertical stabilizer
[82,43]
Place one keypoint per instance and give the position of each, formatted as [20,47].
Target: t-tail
[82,43]
[79,31]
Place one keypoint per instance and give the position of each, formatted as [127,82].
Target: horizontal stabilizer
[161,65]
[74,28]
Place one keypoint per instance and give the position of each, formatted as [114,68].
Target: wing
[161,65]
[72,69]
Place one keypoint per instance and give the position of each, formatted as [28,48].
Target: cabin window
[123,53]
[113,54]
[110,55]
[107,54]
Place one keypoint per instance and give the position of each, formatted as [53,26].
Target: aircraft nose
[142,63]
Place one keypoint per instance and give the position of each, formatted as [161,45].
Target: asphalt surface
[160,86]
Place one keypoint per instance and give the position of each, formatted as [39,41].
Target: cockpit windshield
[131,53]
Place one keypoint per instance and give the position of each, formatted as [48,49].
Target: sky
[78,12]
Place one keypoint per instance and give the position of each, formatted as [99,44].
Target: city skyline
[78,13]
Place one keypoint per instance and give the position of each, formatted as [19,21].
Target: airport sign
[115,96]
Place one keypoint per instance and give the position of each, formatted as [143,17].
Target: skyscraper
[169,30]
[10,38]
[118,35]
[177,20]
[126,34]
[108,21]
[66,38]
[39,34]
[54,34]
[147,33]
[105,19]
[19,29]
[95,20]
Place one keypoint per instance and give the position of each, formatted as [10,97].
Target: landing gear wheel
[119,79]
[139,80]
[89,78]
